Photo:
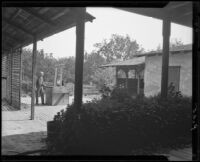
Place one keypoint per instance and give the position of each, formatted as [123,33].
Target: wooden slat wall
[3,76]
[15,79]
[4,66]
[9,76]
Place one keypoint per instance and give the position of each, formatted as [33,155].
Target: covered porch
[130,75]
[174,12]
[22,26]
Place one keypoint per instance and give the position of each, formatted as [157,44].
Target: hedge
[118,125]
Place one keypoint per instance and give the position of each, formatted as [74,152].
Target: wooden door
[174,76]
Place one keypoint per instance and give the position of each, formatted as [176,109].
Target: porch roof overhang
[179,12]
[182,49]
[21,24]
[135,62]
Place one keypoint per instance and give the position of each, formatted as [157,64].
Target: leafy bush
[114,126]
[26,87]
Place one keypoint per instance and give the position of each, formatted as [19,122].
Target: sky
[145,30]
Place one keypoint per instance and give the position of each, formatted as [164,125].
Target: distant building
[148,68]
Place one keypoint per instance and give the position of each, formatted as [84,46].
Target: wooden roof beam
[6,34]
[179,4]
[15,14]
[6,44]
[5,49]
[19,27]
[180,12]
[63,12]
[44,9]
[38,16]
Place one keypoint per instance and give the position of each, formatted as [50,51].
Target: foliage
[118,47]
[103,77]
[113,127]
[91,65]
[173,44]
[120,94]
[69,69]
[26,87]
[45,63]
[176,43]
[105,91]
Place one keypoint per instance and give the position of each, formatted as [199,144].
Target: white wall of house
[153,68]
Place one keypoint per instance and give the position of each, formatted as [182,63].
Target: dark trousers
[40,92]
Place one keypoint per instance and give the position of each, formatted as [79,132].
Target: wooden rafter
[6,34]
[7,44]
[174,6]
[63,12]
[5,49]
[44,9]
[180,12]
[15,14]
[19,27]
[38,16]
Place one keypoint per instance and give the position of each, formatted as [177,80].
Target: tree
[104,76]
[26,62]
[69,68]
[44,62]
[176,43]
[91,64]
[173,44]
[118,47]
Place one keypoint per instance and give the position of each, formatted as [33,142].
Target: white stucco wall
[152,74]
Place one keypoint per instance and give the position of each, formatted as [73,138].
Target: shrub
[26,87]
[114,126]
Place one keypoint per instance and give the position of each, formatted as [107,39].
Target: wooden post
[11,67]
[165,57]
[138,83]
[33,76]
[116,75]
[61,75]
[55,77]
[126,72]
[20,77]
[80,31]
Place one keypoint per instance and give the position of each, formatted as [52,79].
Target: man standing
[40,88]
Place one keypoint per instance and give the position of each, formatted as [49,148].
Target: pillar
[126,72]
[61,74]
[138,82]
[165,57]
[80,31]
[116,75]
[55,77]
[20,77]
[33,76]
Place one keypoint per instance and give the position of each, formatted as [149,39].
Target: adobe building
[180,71]
[143,72]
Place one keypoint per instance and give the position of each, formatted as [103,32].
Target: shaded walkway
[180,154]
[19,133]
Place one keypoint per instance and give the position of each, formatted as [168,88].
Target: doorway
[174,76]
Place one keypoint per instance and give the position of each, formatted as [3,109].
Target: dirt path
[20,134]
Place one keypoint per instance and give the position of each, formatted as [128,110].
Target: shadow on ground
[19,143]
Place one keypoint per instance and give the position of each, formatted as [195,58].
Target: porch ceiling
[179,12]
[21,24]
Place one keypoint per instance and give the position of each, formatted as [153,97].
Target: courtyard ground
[20,134]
